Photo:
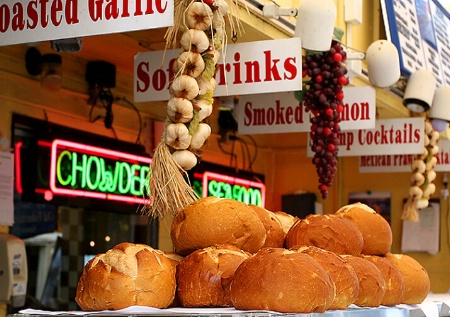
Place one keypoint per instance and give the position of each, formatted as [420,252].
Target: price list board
[420,29]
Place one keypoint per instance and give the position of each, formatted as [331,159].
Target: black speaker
[299,205]
[101,73]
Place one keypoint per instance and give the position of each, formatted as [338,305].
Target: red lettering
[44,17]
[289,113]
[280,111]
[237,69]
[271,67]
[291,69]
[270,116]
[111,10]
[221,71]
[95,9]
[71,12]
[248,113]
[55,9]
[159,7]
[159,79]
[354,113]
[143,77]
[18,22]
[125,12]
[5,17]
[149,7]
[33,16]
[299,114]
[252,68]
[138,10]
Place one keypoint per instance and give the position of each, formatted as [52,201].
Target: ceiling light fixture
[315,21]
[419,92]
[440,109]
[48,66]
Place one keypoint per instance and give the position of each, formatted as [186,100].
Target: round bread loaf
[126,275]
[371,283]
[376,231]
[204,276]
[274,231]
[415,277]
[287,220]
[281,280]
[211,221]
[395,286]
[328,232]
[341,272]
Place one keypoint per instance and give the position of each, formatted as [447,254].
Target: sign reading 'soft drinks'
[247,68]
[23,21]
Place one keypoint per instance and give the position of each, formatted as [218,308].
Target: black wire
[255,146]
[243,151]
[226,152]
[247,152]
[138,139]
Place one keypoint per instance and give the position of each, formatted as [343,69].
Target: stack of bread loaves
[228,253]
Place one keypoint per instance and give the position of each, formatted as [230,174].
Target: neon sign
[88,171]
[224,186]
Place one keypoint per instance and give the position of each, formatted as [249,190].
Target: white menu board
[420,29]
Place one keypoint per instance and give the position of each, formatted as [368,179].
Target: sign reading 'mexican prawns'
[246,68]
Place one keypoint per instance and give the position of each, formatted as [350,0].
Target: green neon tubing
[88,172]
[59,175]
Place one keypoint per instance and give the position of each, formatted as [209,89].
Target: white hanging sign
[246,68]
[282,112]
[390,136]
[24,21]
[401,163]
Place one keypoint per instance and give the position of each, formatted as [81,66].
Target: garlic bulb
[431,163]
[416,192]
[216,56]
[422,203]
[205,86]
[431,175]
[194,40]
[180,110]
[198,16]
[205,112]
[186,159]
[200,136]
[177,136]
[203,107]
[419,166]
[223,6]
[429,190]
[417,179]
[434,138]
[184,86]
[189,63]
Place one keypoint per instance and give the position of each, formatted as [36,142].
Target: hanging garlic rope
[423,175]
[191,103]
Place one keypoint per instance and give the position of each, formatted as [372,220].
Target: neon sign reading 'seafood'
[89,171]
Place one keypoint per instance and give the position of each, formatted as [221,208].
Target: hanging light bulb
[315,24]
[383,64]
[419,91]
[51,71]
[440,110]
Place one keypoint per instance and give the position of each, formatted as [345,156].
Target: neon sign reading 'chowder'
[89,171]
[224,186]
